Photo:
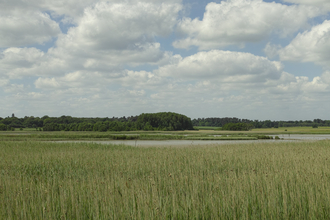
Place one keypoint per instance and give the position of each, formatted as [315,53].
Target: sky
[253,59]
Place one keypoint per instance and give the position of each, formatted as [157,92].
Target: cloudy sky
[255,59]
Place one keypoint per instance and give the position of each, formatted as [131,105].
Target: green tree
[3,127]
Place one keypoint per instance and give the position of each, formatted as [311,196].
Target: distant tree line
[158,121]
[220,122]
[237,127]
[166,121]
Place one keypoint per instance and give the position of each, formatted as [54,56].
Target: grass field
[40,180]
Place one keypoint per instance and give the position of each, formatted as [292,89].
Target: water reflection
[185,143]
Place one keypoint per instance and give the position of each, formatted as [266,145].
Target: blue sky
[233,58]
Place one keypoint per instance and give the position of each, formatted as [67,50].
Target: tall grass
[91,181]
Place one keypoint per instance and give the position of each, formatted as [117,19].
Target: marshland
[59,172]
[248,180]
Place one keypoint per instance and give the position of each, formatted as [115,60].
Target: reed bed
[41,180]
[56,136]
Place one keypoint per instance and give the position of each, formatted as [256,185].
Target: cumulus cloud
[203,79]
[23,28]
[310,46]
[236,22]
[224,66]
[108,36]
[112,57]
[118,33]
[24,23]
[18,62]
[119,26]
[324,4]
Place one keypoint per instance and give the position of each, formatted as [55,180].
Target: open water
[185,143]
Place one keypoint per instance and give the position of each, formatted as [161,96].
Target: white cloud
[74,9]
[46,83]
[236,22]
[22,28]
[18,62]
[24,23]
[20,57]
[224,66]
[310,46]
[119,26]
[110,35]
[272,50]
[107,37]
[323,4]
[112,58]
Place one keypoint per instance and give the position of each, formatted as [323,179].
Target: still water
[185,143]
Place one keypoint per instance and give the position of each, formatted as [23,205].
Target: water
[303,136]
[187,143]
[175,143]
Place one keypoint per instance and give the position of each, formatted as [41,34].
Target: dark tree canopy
[152,121]
[168,121]
[220,122]
[164,121]
[237,127]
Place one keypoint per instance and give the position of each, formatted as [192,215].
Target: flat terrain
[278,180]
[28,134]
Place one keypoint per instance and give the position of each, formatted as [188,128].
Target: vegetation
[278,180]
[164,121]
[237,127]
[220,122]
[89,136]
[206,128]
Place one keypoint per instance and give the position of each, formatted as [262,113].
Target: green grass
[154,135]
[56,136]
[293,130]
[206,128]
[283,180]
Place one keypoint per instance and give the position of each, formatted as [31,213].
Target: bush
[264,137]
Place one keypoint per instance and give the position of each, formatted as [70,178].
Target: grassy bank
[206,128]
[41,180]
[156,135]
[56,136]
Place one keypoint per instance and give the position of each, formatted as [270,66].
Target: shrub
[264,137]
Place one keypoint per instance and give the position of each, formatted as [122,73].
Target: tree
[237,127]
[3,127]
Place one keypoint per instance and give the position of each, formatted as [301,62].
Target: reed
[41,180]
